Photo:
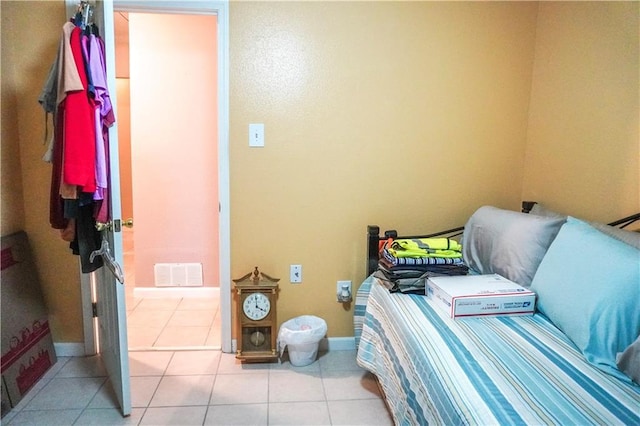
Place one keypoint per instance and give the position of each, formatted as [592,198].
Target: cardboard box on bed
[479,295]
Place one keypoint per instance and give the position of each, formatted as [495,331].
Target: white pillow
[508,243]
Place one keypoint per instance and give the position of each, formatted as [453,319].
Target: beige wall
[405,115]
[583,153]
[33,33]
[11,195]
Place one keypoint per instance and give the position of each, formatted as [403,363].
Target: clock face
[256,306]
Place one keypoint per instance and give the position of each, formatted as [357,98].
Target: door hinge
[94,308]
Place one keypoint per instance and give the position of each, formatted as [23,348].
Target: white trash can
[301,335]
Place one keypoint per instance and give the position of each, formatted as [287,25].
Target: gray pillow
[629,361]
[539,210]
[628,237]
[507,243]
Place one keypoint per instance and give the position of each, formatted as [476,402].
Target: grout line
[164,327]
[164,372]
[166,368]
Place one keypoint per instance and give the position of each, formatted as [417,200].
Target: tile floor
[173,322]
[206,388]
[168,323]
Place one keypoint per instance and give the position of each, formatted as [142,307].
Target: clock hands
[255,299]
[256,306]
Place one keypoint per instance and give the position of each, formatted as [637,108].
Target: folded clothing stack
[405,264]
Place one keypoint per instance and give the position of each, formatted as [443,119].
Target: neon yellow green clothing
[426,247]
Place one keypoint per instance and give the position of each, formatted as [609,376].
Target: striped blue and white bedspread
[488,371]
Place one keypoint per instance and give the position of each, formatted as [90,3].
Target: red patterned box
[27,346]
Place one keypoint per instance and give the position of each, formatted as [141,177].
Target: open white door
[109,292]
[112,313]
[111,309]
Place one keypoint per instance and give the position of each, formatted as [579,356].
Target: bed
[497,370]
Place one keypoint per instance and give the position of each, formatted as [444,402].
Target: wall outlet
[295,274]
[343,291]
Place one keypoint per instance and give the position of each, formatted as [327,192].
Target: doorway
[168,170]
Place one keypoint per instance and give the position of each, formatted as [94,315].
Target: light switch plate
[256,135]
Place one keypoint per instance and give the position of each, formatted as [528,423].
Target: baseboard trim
[176,292]
[68,349]
[327,344]
[337,344]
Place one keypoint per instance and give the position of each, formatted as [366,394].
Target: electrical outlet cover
[295,273]
[339,289]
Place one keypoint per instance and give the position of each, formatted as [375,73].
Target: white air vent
[178,274]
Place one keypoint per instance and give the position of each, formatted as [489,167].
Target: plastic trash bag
[302,334]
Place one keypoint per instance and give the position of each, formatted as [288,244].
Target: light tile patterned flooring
[206,388]
[199,387]
[171,323]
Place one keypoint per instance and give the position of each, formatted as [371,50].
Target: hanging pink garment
[108,118]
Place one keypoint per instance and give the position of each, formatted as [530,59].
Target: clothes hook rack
[84,14]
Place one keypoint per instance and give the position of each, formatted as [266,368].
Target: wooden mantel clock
[256,317]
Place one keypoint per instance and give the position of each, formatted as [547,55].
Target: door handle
[114,225]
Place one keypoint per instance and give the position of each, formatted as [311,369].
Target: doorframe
[221,10]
